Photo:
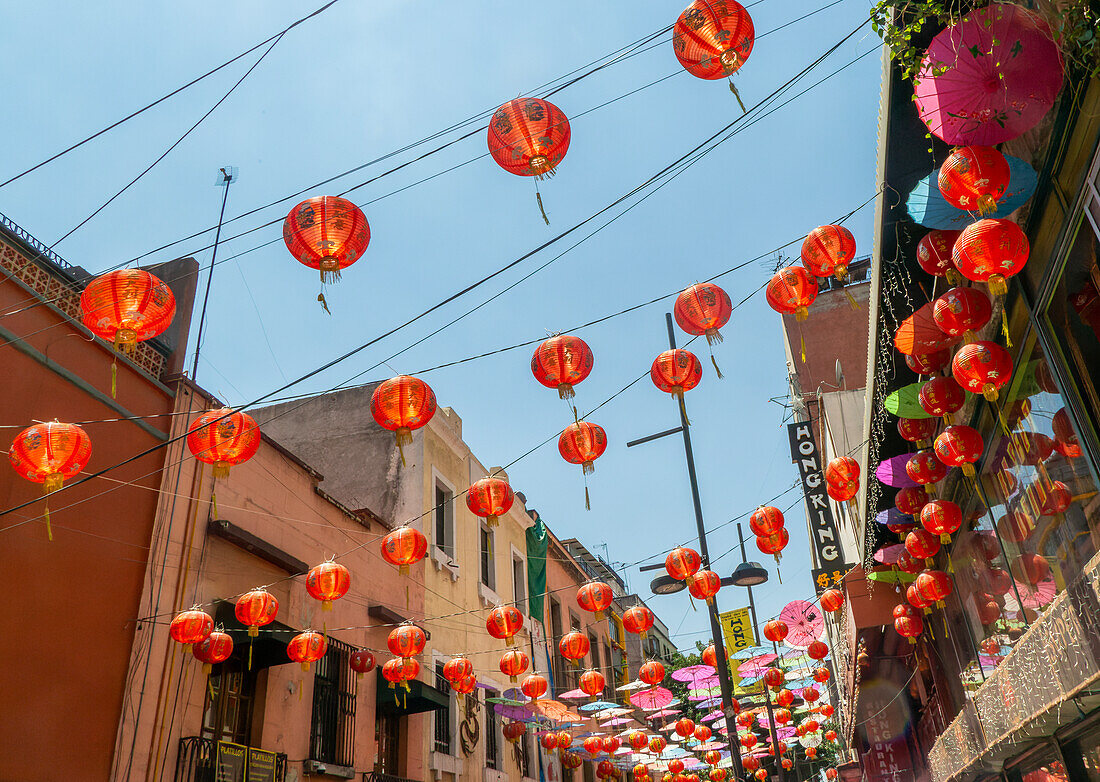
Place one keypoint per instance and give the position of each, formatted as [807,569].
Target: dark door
[387,734]
[230,693]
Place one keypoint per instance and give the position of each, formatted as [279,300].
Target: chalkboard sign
[261,766]
[230,762]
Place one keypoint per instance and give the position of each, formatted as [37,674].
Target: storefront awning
[420,697]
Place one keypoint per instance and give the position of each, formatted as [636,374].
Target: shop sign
[230,761]
[737,629]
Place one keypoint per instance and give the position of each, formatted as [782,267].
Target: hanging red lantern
[991,647]
[549,741]
[991,251]
[190,627]
[215,648]
[610,744]
[1031,568]
[911,500]
[573,646]
[717,774]
[791,292]
[327,582]
[982,366]
[941,517]
[407,640]
[255,609]
[640,770]
[832,600]
[592,745]
[362,662]
[703,309]
[817,650]
[306,648]
[934,254]
[705,585]
[909,627]
[713,40]
[925,468]
[682,563]
[592,683]
[962,311]
[787,763]
[562,362]
[504,622]
[830,735]
[917,600]
[676,371]
[48,454]
[928,363]
[773,544]
[684,727]
[934,586]
[989,612]
[782,716]
[917,430]
[528,137]
[750,763]
[998,580]
[941,396]
[402,404]
[651,672]
[710,656]
[637,740]
[1065,438]
[534,686]
[748,741]
[828,249]
[960,446]
[327,233]
[675,766]
[842,478]
[712,757]
[638,620]
[1050,498]
[513,663]
[702,733]
[775,630]
[922,544]
[454,670]
[595,597]
[766,520]
[773,677]
[582,443]
[1030,448]
[223,439]
[514,731]
[403,547]
[489,499]
[402,670]
[907,563]
[821,675]
[810,694]
[571,760]
[811,753]
[657,744]
[974,178]
[565,739]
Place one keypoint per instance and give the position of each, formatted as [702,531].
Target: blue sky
[364,79]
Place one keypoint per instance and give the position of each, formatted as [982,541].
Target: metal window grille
[525,755]
[492,732]
[442,716]
[487,558]
[332,735]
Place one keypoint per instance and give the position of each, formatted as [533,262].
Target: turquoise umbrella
[927,207]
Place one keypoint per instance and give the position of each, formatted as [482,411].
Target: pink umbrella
[990,77]
[708,682]
[804,623]
[616,721]
[693,672]
[753,671]
[892,472]
[888,555]
[785,733]
[714,715]
[1035,596]
[573,695]
[662,713]
[652,699]
[760,659]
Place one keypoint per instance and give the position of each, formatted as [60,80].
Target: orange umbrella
[918,334]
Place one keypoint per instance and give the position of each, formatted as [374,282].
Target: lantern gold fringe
[221,469]
[737,95]
[565,391]
[987,205]
[323,302]
[851,301]
[538,197]
[329,276]
[404,437]
[714,363]
[714,336]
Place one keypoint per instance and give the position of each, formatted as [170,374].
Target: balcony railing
[199,760]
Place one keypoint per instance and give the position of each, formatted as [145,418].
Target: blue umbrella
[894,516]
[750,652]
[927,207]
[599,706]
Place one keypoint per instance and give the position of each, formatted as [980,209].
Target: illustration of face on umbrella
[804,623]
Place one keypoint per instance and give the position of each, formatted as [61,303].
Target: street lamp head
[749,574]
[666,585]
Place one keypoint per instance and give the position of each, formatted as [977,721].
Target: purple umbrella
[710,703]
[990,77]
[892,472]
[894,516]
[889,555]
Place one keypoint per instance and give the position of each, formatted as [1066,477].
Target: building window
[525,755]
[519,583]
[492,732]
[488,572]
[594,650]
[556,632]
[332,735]
[444,520]
[442,716]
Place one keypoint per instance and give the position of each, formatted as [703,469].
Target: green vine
[1077,36]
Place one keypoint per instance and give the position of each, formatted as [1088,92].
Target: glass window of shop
[1043,765]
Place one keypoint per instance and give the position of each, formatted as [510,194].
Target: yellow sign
[737,629]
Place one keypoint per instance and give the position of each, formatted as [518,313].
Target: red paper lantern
[676,766]
[917,600]
[787,763]
[190,627]
[651,672]
[941,517]
[1031,568]
[528,137]
[941,396]
[637,740]
[712,757]
[704,585]
[717,775]
[830,773]
[991,647]
[909,627]
[991,251]
[582,443]
[464,687]
[407,640]
[925,468]
[702,733]
[682,563]
[982,366]
[922,544]
[657,744]
[989,612]
[773,677]
[934,254]
[713,40]
[917,430]
[710,656]
[832,600]
[610,744]
[514,731]
[703,309]
[327,233]
[454,670]
[215,648]
[327,582]
[1030,448]
[638,619]
[748,741]
[403,547]
[223,439]
[821,675]
[361,661]
[1050,497]
[962,311]
[534,686]
[974,178]
[490,498]
[746,719]
[1065,437]
[782,716]
[907,563]
[766,520]
[775,630]
[817,650]
[684,727]
[830,735]
[595,597]
[592,683]
[934,586]
[640,770]
[549,741]
[828,249]
[750,763]
[308,647]
[928,363]
[773,544]
[810,694]
[402,404]
[401,670]
[562,362]
[48,454]
[571,759]
[676,371]
[791,292]
[911,500]
[593,745]
[127,306]
[810,726]
[504,622]
[842,478]
[960,446]
[255,609]
[513,663]
[811,753]
[573,646]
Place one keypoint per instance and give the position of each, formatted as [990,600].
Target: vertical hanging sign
[823,532]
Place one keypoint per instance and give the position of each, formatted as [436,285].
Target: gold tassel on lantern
[404,437]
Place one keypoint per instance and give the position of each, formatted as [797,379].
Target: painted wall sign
[823,531]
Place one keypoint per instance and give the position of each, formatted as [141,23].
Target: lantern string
[737,95]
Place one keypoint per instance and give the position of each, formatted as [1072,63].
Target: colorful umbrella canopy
[1035,596]
[894,516]
[598,706]
[889,555]
[761,659]
[804,623]
[918,334]
[891,576]
[904,402]
[990,77]
[662,713]
[709,703]
[616,721]
[927,205]
[634,685]
[712,716]
[652,699]
[749,652]
[548,708]
[573,695]
[892,472]
[693,672]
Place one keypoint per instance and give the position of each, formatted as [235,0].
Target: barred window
[442,716]
[492,732]
[332,732]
